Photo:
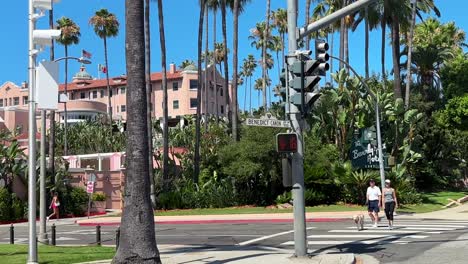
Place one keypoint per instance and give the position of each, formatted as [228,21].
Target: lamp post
[377,120]
[42,178]
[40,38]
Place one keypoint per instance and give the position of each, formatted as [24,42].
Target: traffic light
[305,78]
[321,48]
[286,142]
[283,88]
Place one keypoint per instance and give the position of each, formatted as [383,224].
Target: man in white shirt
[373,201]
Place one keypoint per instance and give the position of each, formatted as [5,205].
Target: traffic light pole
[300,235]
[377,121]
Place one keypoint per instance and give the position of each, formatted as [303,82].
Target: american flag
[86,54]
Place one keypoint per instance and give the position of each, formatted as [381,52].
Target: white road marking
[407,227]
[334,242]
[66,239]
[367,236]
[248,242]
[454,226]
[381,231]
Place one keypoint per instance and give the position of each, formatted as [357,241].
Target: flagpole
[99,71]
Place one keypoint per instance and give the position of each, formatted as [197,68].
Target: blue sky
[181,21]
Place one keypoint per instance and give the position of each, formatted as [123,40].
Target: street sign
[90,187]
[47,76]
[267,123]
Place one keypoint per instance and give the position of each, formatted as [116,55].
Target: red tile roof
[101,83]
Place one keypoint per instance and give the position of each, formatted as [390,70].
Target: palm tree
[105,26]
[266,35]
[235,106]
[186,63]
[148,100]
[410,48]
[277,47]
[214,6]
[371,18]
[280,22]
[260,39]
[70,35]
[162,40]
[248,67]
[205,76]
[307,21]
[137,235]
[196,167]
[226,59]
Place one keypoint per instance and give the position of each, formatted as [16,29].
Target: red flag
[86,54]
[103,69]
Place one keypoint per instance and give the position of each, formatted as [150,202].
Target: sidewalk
[229,218]
[454,213]
[172,254]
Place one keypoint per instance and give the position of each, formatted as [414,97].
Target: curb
[227,221]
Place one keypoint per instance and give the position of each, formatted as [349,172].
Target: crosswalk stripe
[334,242]
[415,228]
[454,226]
[268,237]
[367,236]
[381,231]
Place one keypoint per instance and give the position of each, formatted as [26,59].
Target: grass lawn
[432,202]
[257,210]
[13,254]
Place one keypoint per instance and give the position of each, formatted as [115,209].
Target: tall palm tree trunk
[264,48]
[51,164]
[137,235]
[148,100]
[245,93]
[282,50]
[196,166]
[250,95]
[307,19]
[215,84]
[396,56]
[235,106]
[226,60]
[109,103]
[366,40]
[205,76]
[382,54]
[342,29]
[65,111]
[162,40]
[410,52]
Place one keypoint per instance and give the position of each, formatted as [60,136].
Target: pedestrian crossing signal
[286,142]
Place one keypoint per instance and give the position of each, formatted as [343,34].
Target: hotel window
[122,90]
[175,104]
[94,94]
[102,93]
[111,92]
[1,102]
[82,95]
[72,97]
[222,109]
[16,101]
[25,100]
[193,84]
[221,90]
[193,103]
[175,86]
[123,108]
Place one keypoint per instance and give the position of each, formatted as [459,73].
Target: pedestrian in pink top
[54,205]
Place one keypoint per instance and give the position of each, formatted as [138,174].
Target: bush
[74,200]
[11,208]
[99,197]
[5,202]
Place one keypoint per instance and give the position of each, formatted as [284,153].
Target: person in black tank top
[389,200]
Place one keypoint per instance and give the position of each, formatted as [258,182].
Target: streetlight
[42,198]
[65,126]
[377,120]
[40,38]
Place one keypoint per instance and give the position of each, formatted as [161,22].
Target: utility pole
[300,235]
[296,118]
[32,249]
[42,186]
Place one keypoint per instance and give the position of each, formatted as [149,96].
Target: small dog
[359,221]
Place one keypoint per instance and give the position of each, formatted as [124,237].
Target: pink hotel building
[88,98]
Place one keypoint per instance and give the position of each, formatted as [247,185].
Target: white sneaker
[374,225]
[47,218]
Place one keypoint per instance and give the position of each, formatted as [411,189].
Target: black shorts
[373,206]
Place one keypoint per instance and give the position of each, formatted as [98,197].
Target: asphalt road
[410,238]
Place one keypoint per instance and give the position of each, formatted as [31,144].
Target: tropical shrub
[99,197]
